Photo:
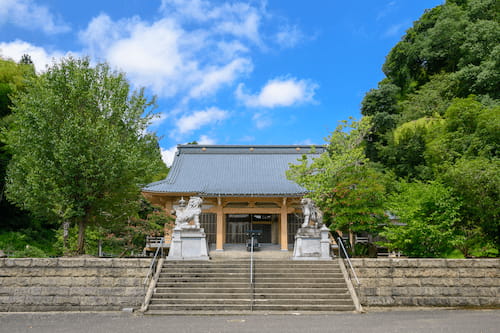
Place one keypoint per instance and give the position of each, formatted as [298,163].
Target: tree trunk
[351,240]
[65,237]
[82,224]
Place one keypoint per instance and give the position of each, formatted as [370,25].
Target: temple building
[242,187]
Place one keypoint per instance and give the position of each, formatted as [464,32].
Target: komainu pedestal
[311,240]
[188,244]
[189,241]
[312,243]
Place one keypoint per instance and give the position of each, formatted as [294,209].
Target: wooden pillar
[284,226]
[219,244]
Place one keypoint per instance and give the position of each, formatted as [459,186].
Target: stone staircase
[300,286]
[223,286]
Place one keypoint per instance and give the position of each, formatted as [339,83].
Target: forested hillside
[436,114]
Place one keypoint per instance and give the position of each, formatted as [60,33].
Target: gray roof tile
[233,171]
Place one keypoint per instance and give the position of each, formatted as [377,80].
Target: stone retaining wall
[429,282]
[71,284]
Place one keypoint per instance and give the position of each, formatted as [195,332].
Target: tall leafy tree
[12,79]
[343,182]
[80,144]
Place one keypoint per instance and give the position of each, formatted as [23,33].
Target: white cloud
[289,36]
[28,15]
[238,19]
[215,77]
[168,57]
[149,53]
[205,140]
[192,51]
[199,119]
[279,93]
[167,155]
[40,57]
[262,120]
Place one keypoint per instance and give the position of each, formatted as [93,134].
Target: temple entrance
[238,224]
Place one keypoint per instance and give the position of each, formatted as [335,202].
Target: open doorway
[238,224]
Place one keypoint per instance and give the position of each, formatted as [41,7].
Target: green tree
[429,214]
[382,105]
[468,129]
[80,145]
[344,184]
[477,182]
[12,79]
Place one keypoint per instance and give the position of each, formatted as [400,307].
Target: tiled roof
[233,171]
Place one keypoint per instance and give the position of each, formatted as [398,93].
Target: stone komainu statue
[189,213]
[312,215]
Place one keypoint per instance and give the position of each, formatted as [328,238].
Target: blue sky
[249,72]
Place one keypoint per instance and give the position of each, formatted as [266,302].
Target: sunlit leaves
[80,145]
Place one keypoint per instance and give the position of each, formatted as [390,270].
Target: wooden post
[220,226]
[284,227]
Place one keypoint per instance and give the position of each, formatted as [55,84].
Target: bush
[19,245]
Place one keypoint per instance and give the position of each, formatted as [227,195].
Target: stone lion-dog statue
[191,212]
[312,215]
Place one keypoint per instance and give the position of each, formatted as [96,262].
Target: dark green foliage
[29,242]
[436,114]
[12,79]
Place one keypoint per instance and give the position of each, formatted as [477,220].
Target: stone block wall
[429,282]
[71,284]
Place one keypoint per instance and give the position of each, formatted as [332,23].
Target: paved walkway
[413,321]
[238,251]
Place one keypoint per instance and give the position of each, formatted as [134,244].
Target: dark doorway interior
[238,224]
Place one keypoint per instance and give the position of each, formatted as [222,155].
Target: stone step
[200,307]
[196,277]
[341,294]
[181,289]
[191,307]
[245,279]
[246,301]
[303,301]
[222,286]
[235,312]
[179,301]
[304,290]
[239,264]
[205,273]
[245,284]
[305,307]
[246,275]
[205,269]
[255,269]
[204,285]
[202,296]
